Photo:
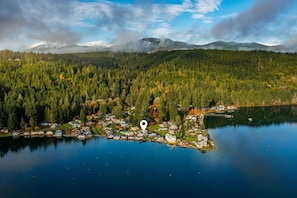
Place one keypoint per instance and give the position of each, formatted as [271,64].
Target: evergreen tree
[32,122]
[12,122]
[82,116]
[22,123]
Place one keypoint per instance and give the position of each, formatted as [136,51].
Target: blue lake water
[249,161]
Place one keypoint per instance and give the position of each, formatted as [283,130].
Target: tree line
[61,87]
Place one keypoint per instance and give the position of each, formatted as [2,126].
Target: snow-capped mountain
[150,45]
[56,48]
[94,44]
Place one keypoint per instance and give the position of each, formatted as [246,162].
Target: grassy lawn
[65,126]
[162,133]
[5,135]
[190,138]
[153,128]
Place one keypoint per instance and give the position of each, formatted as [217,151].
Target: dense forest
[58,88]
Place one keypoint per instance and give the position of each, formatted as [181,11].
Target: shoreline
[179,142]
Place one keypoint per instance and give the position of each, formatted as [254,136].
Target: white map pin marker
[143,124]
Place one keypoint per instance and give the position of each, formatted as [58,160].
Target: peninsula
[39,93]
[195,135]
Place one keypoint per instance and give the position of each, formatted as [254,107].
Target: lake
[253,158]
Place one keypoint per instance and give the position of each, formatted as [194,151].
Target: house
[75,132]
[202,138]
[87,131]
[221,108]
[54,125]
[81,137]
[44,124]
[49,133]
[16,134]
[200,145]
[34,133]
[26,134]
[135,129]
[58,133]
[76,124]
[5,131]
[41,133]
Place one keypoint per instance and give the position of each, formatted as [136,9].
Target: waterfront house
[26,134]
[41,133]
[81,137]
[58,133]
[49,133]
[221,108]
[202,138]
[75,132]
[15,133]
[4,131]
[34,133]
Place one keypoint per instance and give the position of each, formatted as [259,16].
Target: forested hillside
[57,88]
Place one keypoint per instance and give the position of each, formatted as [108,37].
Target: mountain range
[149,45]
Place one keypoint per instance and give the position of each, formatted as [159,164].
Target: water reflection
[252,159]
[255,117]
[33,144]
[261,116]
[264,155]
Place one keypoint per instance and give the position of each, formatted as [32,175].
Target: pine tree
[22,123]
[82,116]
[12,122]
[32,122]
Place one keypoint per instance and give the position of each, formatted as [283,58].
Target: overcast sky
[27,22]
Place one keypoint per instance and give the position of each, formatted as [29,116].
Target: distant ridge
[149,45]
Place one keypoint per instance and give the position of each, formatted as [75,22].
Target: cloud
[291,40]
[174,10]
[70,21]
[62,35]
[22,20]
[146,18]
[206,6]
[126,37]
[291,43]
[193,35]
[253,21]
[203,7]
[162,31]
[114,16]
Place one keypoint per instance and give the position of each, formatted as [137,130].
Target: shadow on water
[255,117]
[34,144]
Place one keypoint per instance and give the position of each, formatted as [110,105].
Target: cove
[252,159]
